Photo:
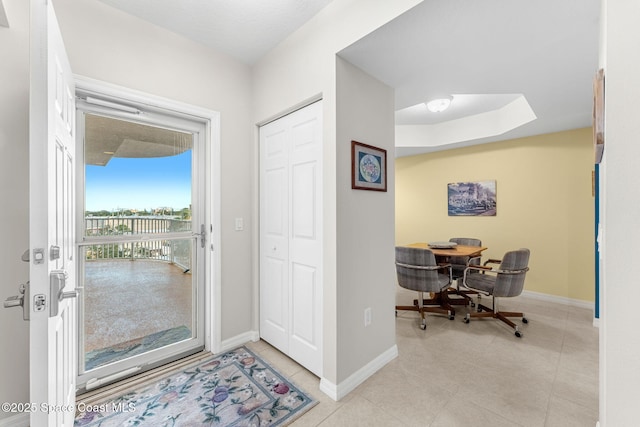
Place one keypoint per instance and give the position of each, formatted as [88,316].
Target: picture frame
[472,198]
[368,167]
[598,115]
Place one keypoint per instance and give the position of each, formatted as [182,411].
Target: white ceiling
[546,50]
[244,29]
[489,52]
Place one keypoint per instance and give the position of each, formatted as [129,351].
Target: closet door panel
[274,235]
[306,237]
[291,234]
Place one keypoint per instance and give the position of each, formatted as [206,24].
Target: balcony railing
[176,251]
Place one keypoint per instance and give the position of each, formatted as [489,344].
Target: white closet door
[274,235]
[291,235]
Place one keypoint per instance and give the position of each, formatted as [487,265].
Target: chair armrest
[429,267]
[479,268]
[448,267]
[471,260]
[523,270]
[422,267]
[492,261]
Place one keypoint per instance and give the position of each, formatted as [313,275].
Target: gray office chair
[506,281]
[417,270]
[459,263]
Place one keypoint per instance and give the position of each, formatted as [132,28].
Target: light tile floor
[476,374]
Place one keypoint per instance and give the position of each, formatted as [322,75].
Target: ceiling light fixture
[438,105]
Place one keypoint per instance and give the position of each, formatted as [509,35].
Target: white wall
[106,44]
[620,209]
[365,223]
[301,67]
[14,219]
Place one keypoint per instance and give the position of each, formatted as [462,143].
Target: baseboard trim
[338,391]
[564,300]
[18,420]
[559,300]
[238,340]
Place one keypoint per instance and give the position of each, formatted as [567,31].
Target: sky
[139,183]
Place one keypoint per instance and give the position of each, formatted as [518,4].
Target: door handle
[14,301]
[18,301]
[203,235]
[70,294]
[57,282]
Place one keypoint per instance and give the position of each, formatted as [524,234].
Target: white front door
[51,297]
[291,235]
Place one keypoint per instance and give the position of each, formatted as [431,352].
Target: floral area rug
[236,388]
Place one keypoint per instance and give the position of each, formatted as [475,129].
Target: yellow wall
[544,203]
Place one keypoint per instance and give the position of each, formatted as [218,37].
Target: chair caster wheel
[423,326]
[472,304]
[467,319]
[451,317]
[525,320]
[518,334]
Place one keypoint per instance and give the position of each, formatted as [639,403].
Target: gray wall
[366,222]
[14,216]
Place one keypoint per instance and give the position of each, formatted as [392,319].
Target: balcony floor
[127,300]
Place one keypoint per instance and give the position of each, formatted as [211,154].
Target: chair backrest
[513,269]
[467,241]
[417,279]
[461,261]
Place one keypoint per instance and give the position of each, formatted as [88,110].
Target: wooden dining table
[443,253]
[442,256]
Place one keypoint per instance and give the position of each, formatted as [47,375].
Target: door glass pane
[135,170]
[138,252]
[134,305]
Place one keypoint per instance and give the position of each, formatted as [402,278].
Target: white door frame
[211,120]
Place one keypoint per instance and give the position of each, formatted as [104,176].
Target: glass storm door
[141,250]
